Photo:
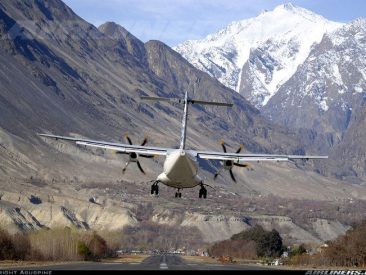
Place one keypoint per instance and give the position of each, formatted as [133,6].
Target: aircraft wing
[252,157]
[118,147]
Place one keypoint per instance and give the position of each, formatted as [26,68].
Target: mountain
[303,72]
[327,86]
[257,55]
[327,94]
[61,74]
[75,78]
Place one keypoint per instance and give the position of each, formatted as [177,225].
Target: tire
[157,190]
[152,190]
[200,194]
[176,195]
[180,195]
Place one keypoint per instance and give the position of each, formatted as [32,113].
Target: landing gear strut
[155,188]
[178,194]
[203,192]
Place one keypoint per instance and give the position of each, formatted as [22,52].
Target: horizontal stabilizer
[182,101]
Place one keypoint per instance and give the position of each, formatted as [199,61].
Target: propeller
[229,164]
[133,156]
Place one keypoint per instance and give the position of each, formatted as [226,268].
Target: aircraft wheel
[157,190]
[152,189]
[179,195]
[176,195]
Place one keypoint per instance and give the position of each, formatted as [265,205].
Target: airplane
[180,169]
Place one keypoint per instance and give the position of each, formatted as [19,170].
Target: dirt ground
[127,259]
[200,259]
[10,264]
[122,259]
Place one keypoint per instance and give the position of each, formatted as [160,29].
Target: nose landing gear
[178,194]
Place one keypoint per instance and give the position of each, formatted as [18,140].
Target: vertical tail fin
[186,102]
[183,132]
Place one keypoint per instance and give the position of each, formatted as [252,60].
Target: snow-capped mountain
[328,87]
[256,56]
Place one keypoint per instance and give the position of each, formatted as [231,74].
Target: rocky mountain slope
[30,207]
[327,94]
[72,78]
[308,77]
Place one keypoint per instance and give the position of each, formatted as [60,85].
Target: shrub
[6,246]
[21,245]
[297,250]
[83,250]
[97,246]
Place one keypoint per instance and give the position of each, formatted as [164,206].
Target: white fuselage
[180,170]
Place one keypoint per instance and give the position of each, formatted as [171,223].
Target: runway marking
[192,264]
[163,266]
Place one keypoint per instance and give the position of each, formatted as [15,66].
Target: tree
[270,245]
[253,234]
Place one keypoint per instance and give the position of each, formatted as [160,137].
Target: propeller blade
[146,156]
[124,169]
[209,186]
[144,141]
[240,148]
[223,145]
[241,165]
[232,175]
[139,166]
[128,139]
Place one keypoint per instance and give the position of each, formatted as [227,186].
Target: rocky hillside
[110,207]
[303,72]
[327,94]
[61,74]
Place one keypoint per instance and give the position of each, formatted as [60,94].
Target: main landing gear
[203,192]
[155,188]
[178,194]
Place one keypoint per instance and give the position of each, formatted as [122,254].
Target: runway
[158,262]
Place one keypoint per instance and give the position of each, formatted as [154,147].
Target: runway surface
[159,262]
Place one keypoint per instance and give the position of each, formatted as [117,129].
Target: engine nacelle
[133,156]
[228,164]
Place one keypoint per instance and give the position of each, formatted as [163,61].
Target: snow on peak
[359,22]
[288,6]
[224,53]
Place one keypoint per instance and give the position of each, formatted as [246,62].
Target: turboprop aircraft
[180,168]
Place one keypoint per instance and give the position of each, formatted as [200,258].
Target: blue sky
[174,21]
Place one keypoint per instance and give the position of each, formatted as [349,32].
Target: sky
[175,21]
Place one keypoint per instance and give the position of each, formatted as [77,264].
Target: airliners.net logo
[335,272]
